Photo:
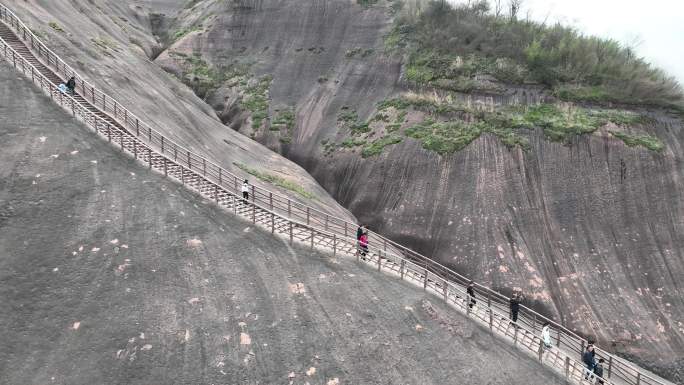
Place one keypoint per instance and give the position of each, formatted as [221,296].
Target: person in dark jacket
[515,306]
[71,84]
[359,232]
[598,371]
[589,361]
[471,293]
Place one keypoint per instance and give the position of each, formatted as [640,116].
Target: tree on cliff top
[447,42]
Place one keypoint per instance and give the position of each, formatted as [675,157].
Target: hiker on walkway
[515,306]
[589,361]
[471,294]
[245,190]
[598,371]
[363,244]
[71,85]
[546,335]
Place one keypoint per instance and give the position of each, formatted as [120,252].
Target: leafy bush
[375,148]
[650,142]
[276,180]
[461,41]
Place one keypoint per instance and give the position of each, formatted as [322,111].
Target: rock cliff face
[111,43]
[112,274]
[592,230]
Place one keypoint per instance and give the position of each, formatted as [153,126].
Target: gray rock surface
[593,232]
[111,274]
[110,44]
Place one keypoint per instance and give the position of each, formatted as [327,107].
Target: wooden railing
[295,220]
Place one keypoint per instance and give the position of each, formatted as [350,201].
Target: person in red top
[363,244]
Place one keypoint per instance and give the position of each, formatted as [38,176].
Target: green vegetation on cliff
[456,47]
[276,180]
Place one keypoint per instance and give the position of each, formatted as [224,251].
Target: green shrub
[55,26]
[276,180]
[650,142]
[444,137]
[375,148]
[353,142]
[453,44]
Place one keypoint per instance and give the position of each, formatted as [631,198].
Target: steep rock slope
[591,229]
[111,274]
[110,43]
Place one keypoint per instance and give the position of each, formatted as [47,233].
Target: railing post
[175,152]
[149,134]
[307,215]
[135,149]
[384,244]
[515,335]
[92,91]
[425,281]
[149,156]
[446,290]
[638,378]
[253,193]
[379,260]
[567,368]
[137,130]
[582,342]
[235,182]
[610,366]
[270,200]
[109,133]
[104,102]
[334,245]
[189,162]
[326,222]
[216,193]
[289,208]
[345,229]
[220,176]
[541,351]
[165,168]
[204,167]
[291,235]
[126,118]
[491,320]
[402,269]
[272,223]
[558,334]
[121,140]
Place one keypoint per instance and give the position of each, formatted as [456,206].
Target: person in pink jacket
[363,244]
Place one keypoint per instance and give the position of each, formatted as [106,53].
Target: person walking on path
[363,244]
[471,294]
[598,371]
[71,84]
[515,306]
[245,190]
[589,361]
[546,335]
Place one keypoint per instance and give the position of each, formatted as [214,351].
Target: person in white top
[245,189]
[546,338]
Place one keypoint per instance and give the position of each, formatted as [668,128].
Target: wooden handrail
[337,231]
